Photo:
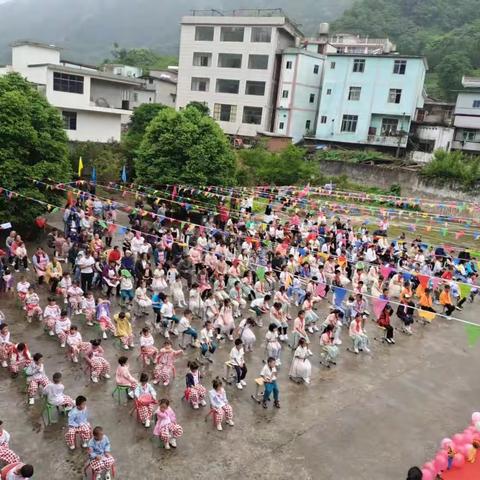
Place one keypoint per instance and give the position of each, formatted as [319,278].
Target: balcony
[388,140]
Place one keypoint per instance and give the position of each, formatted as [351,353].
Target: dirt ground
[369,418]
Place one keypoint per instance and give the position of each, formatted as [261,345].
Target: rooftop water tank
[324,28]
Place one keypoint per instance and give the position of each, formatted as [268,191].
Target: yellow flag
[80,166]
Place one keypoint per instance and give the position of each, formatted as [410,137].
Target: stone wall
[384,176]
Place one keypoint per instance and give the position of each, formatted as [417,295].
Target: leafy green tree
[450,71]
[139,121]
[33,143]
[185,147]
[141,57]
[201,107]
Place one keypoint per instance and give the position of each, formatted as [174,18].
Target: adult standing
[40,261]
[85,264]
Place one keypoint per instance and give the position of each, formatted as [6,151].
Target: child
[17,471]
[207,344]
[126,288]
[63,286]
[22,286]
[269,375]
[167,427]
[78,423]
[101,460]
[165,363]
[54,393]
[245,333]
[99,366]
[185,328]
[260,307]
[146,398]
[89,308]
[103,317]
[358,335]
[219,404]
[327,341]
[225,323]
[51,314]
[36,377]
[8,283]
[7,456]
[169,319]
[32,305]
[75,297]
[237,359]
[195,302]
[195,392]
[19,358]
[123,329]
[273,345]
[123,377]
[177,293]
[5,345]
[62,328]
[301,367]
[147,348]
[75,343]
[279,317]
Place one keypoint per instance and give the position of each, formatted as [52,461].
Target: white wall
[25,55]
[95,127]
[443,136]
[66,99]
[464,105]
[112,92]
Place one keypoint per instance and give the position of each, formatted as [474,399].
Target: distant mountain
[87,29]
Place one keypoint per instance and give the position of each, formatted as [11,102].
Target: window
[323,119]
[200,84]
[389,126]
[252,115]
[225,113]
[227,86]
[204,34]
[399,67]
[354,93]
[288,66]
[307,125]
[63,82]
[394,95]
[329,91]
[316,68]
[349,123]
[230,60]
[312,98]
[469,135]
[231,34]
[359,65]
[258,62]
[150,81]
[261,35]
[281,125]
[285,94]
[476,104]
[333,65]
[135,97]
[202,59]
[69,120]
[254,88]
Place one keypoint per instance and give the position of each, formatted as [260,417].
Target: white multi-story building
[164,84]
[298,93]
[232,64]
[467,117]
[92,103]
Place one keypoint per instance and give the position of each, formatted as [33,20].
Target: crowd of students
[209,285]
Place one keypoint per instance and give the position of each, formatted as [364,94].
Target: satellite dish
[101,102]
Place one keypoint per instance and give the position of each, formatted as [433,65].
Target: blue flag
[94,175]
[339,295]
[124,174]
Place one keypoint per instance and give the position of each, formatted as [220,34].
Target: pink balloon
[467,447]
[468,437]
[476,417]
[458,460]
[427,474]
[445,443]
[463,450]
[430,466]
[458,439]
[441,462]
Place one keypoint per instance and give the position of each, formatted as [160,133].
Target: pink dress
[167,426]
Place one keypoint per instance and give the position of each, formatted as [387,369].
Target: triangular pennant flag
[423,279]
[385,271]
[260,273]
[473,334]
[465,289]
[378,306]
[340,294]
[425,314]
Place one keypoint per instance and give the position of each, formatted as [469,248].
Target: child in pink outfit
[167,428]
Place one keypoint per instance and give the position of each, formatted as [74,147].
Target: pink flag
[385,271]
[436,282]
[320,291]
[378,306]
[423,279]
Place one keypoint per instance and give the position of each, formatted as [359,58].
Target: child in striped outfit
[78,424]
[7,456]
[167,428]
[19,358]
[146,398]
[32,305]
[195,392]
[101,460]
[35,377]
[98,364]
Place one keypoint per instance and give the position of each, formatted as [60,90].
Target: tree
[144,58]
[450,72]
[184,147]
[201,107]
[33,143]
[139,121]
